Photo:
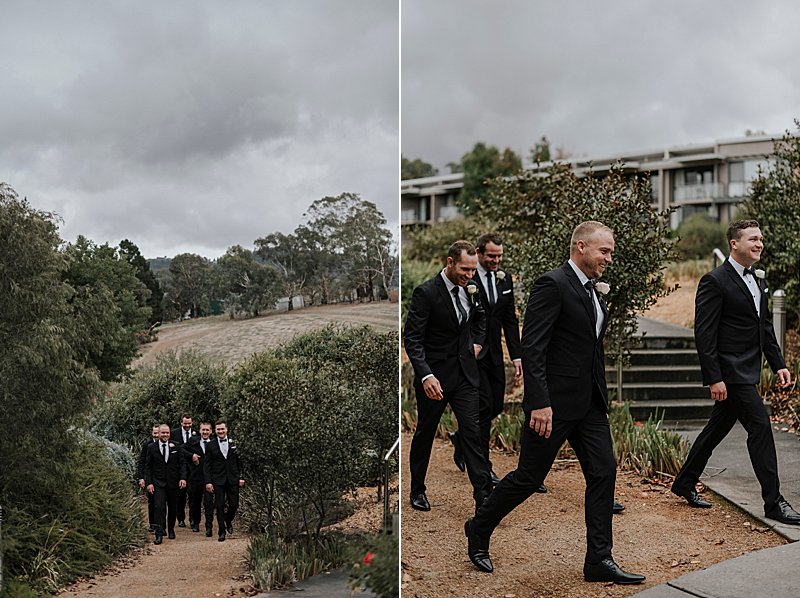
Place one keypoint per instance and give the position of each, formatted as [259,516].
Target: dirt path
[538,549]
[189,565]
[231,341]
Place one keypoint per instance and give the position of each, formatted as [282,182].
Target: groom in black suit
[565,398]
[496,291]
[732,329]
[444,331]
[222,473]
[165,474]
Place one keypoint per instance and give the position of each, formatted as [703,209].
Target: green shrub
[415,272]
[377,567]
[160,393]
[699,235]
[278,562]
[646,448]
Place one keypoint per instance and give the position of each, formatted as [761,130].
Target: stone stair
[664,374]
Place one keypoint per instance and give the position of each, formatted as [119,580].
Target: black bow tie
[750,271]
[224,440]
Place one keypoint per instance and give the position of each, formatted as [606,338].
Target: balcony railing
[409,216]
[702,191]
[449,212]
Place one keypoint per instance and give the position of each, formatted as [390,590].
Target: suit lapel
[447,298]
[583,296]
[737,280]
[483,292]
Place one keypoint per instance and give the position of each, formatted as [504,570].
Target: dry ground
[538,549]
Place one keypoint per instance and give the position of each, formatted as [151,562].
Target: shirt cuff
[426,377]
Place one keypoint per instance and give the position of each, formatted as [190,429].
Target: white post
[779,315]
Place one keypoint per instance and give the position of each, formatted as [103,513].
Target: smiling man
[444,332]
[563,365]
[732,328]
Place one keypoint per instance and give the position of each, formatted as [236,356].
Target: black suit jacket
[434,340]
[142,458]
[502,316]
[164,475]
[217,469]
[729,333]
[190,449]
[176,434]
[563,361]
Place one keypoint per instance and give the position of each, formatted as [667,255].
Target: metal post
[779,315]
[1,549]
[386,519]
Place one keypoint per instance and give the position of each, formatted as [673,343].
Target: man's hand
[517,369]
[477,349]
[151,489]
[719,392]
[241,483]
[141,483]
[210,488]
[542,421]
[196,459]
[182,484]
[784,378]
[432,388]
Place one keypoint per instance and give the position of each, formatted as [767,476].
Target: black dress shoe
[171,534]
[617,508]
[477,549]
[458,454]
[181,524]
[420,502]
[195,528]
[229,527]
[542,489]
[151,529]
[221,537]
[159,539]
[608,570]
[494,478]
[693,498]
[783,512]
[208,533]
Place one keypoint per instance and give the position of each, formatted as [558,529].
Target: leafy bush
[83,515]
[378,566]
[699,235]
[430,243]
[775,202]
[160,394]
[415,272]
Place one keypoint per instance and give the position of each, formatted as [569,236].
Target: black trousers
[492,394]
[463,400]
[198,497]
[182,504]
[165,501]
[226,500]
[590,438]
[744,405]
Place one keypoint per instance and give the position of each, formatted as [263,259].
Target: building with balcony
[711,178]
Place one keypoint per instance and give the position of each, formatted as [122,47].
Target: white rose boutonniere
[759,273]
[501,276]
[472,292]
[171,445]
[602,287]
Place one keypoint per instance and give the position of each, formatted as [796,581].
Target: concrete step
[672,409]
[655,374]
[652,391]
[666,342]
[663,357]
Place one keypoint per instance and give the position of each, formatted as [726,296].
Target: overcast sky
[597,78]
[194,125]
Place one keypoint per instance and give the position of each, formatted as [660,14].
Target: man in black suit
[165,474]
[223,478]
[565,398]
[194,452]
[496,290]
[444,332]
[732,328]
[140,475]
[179,436]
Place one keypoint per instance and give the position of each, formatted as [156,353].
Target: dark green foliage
[415,272]
[481,165]
[377,567]
[775,202]
[699,235]
[430,243]
[536,215]
[130,252]
[415,169]
[158,394]
[245,283]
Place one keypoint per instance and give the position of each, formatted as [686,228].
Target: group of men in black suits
[180,463]
[561,358]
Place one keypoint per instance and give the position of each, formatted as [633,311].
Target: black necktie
[205,446]
[589,286]
[490,288]
[186,435]
[461,312]
[164,451]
